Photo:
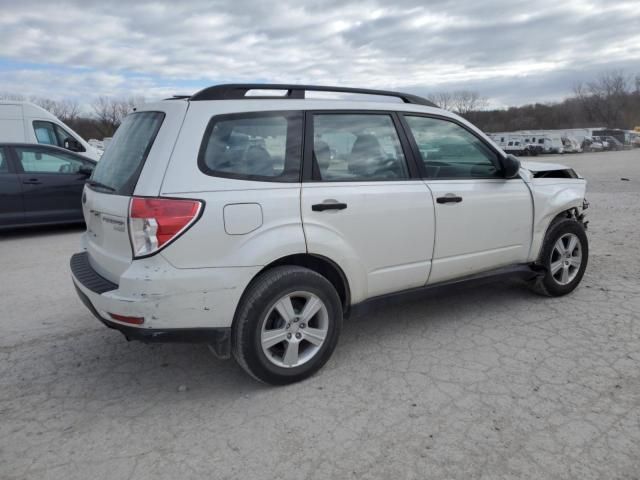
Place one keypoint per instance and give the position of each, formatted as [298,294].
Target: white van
[24,122]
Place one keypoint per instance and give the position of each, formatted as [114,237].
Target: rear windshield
[119,168]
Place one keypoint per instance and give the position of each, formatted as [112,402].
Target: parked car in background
[25,122]
[590,144]
[571,145]
[254,224]
[613,143]
[516,147]
[41,184]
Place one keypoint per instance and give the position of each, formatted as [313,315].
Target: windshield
[120,166]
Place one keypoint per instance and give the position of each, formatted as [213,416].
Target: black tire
[256,303]
[547,284]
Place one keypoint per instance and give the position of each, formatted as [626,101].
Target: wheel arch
[319,264]
[569,213]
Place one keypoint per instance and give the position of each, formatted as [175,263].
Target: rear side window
[122,162]
[265,146]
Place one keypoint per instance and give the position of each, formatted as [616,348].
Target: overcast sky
[513,52]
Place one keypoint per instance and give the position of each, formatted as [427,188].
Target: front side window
[63,135]
[357,147]
[45,133]
[34,160]
[448,150]
[49,133]
[265,146]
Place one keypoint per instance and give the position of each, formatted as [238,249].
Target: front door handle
[449,198]
[321,207]
[32,181]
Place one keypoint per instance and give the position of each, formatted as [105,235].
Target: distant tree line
[612,100]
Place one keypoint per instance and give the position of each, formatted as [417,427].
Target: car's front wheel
[287,325]
[563,258]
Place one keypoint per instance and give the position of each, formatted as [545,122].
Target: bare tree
[462,102]
[111,111]
[66,110]
[443,100]
[467,101]
[604,99]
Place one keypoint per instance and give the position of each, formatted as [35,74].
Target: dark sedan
[41,184]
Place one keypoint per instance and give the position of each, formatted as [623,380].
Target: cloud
[155,48]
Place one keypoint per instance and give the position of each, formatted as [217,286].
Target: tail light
[155,222]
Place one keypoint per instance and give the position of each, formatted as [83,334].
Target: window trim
[295,121]
[416,151]
[48,150]
[308,170]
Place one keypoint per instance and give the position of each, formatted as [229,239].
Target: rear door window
[39,160]
[354,147]
[122,162]
[264,146]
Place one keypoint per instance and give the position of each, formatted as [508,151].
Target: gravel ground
[485,382]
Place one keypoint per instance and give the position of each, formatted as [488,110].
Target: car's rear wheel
[287,325]
[563,258]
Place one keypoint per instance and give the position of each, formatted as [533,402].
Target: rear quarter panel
[208,243]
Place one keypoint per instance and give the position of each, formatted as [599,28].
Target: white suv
[256,223]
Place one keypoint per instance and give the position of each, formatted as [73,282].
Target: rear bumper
[218,338]
[189,306]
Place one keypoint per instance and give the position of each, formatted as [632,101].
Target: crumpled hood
[548,170]
[542,166]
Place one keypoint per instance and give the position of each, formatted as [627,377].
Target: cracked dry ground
[484,382]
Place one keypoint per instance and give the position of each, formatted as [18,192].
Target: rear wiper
[93,183]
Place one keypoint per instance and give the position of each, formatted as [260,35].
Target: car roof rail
[178,97]
[237,91]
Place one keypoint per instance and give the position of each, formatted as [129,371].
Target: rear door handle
[32,181]
[449,198]
[321,207]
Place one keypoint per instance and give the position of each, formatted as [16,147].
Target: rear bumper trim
[87,276]
[218,338]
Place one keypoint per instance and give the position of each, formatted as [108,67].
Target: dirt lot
[489,382]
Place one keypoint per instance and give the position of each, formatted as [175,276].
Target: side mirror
[72,144]
[85,170]
[510,166]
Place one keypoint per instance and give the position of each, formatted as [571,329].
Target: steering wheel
[390,169]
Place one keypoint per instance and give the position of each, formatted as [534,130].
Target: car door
[361,205]
[52,183]
[11,204]
[483,221]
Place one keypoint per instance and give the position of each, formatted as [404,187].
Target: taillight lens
[154,222]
